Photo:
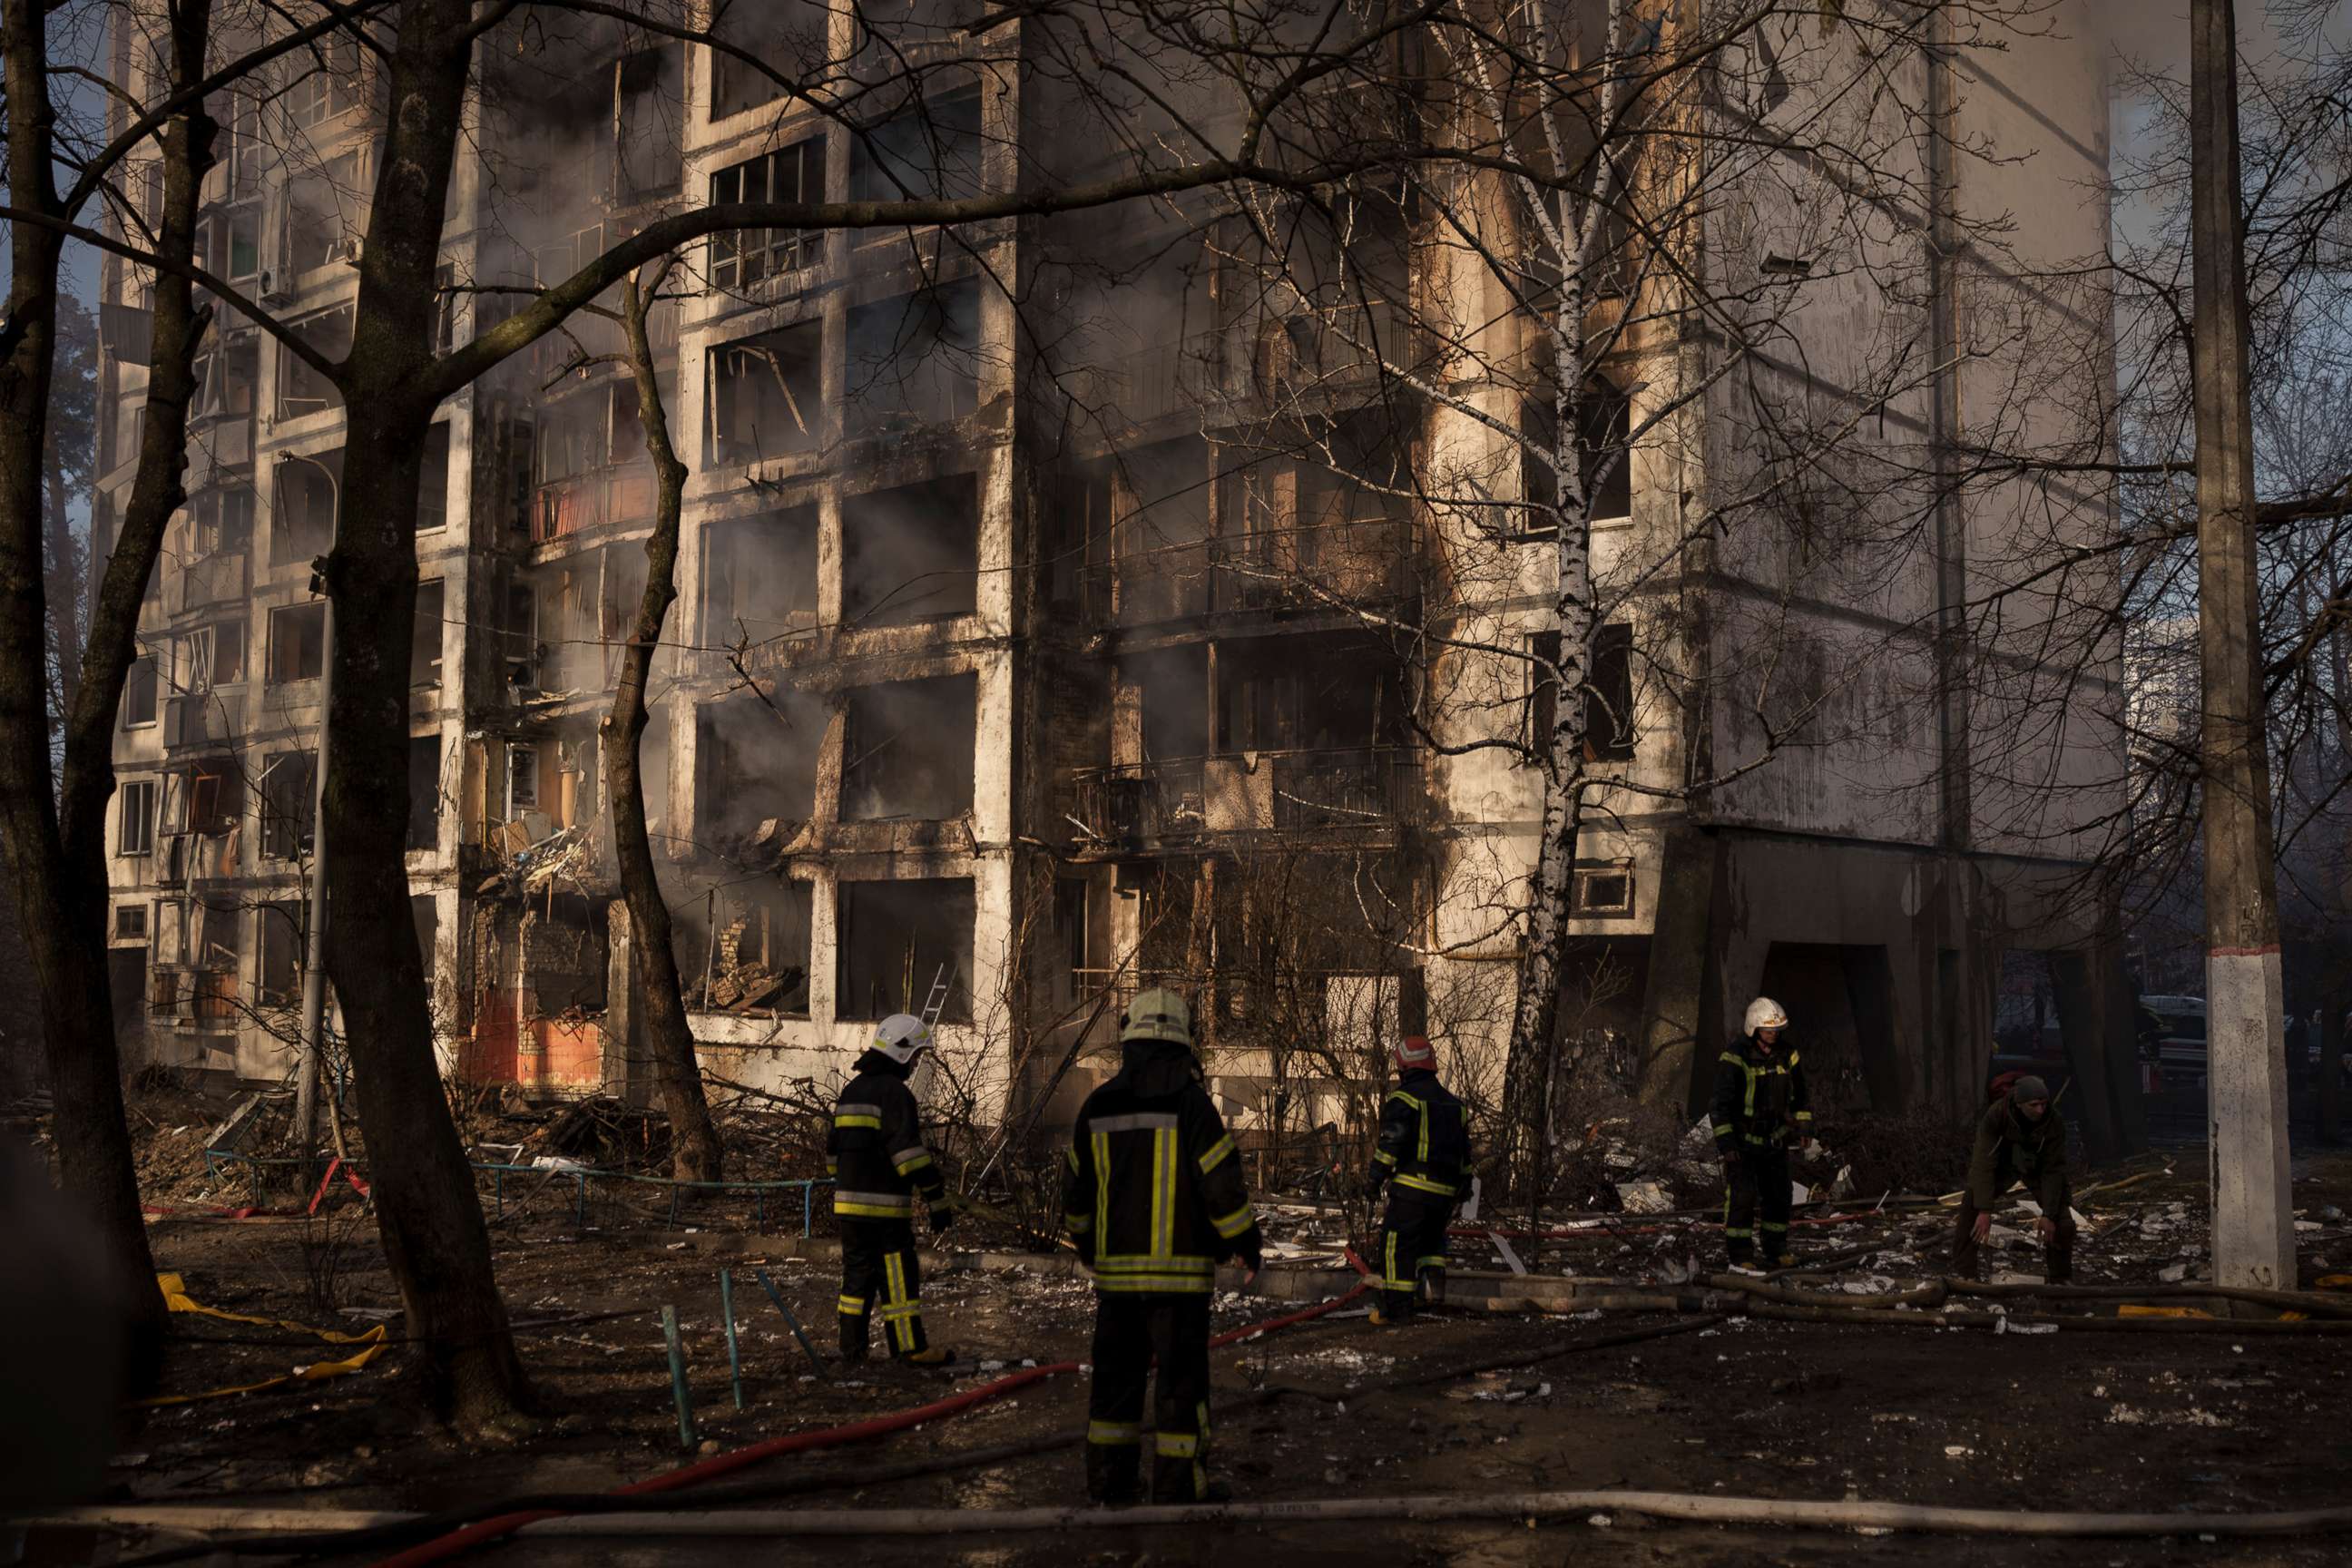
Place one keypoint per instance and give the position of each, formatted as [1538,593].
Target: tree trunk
[427,1207]
[2253,1243]
[55,830]
[696,1154]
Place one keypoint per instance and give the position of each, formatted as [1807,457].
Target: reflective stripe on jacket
[1424,1141]
[875,1151]
[1151,1188]
[1761,1099]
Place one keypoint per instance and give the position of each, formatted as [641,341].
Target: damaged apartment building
[1024,654]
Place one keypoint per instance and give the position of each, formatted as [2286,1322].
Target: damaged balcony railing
[1363,561]
[1365,788]
[212,580]
[588,500]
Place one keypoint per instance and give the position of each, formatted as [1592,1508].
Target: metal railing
[588,500]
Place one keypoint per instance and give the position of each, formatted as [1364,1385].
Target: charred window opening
[206,798]
[1609,728]
[432,480]
[756,761]
[564,958]
[907,751]
[1281,695]
[899,939]
[208,657]
[1175,702]
[931,152]
[141,689]
[303,508]
[280,982]
[740,257]
[289,784]
[423,792]
[519,637]
[220,522]
[424,648]
[648,104]
[789,37]
[764,393]
[297,643]
[911,554]
[1159,539]
[1606,420]
[756,959]
[425,914]
[301,389]
[758,578]
[913,360]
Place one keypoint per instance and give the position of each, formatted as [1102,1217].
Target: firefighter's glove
[1252,1255]
[942,1217]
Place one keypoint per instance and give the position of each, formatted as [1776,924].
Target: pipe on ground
[1700,1508]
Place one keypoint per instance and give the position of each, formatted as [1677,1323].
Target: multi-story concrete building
[1031,642]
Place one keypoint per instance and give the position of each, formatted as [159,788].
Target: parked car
[2175,1026]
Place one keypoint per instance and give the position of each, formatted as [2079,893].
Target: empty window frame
[523,781]
[135,829]
[911,553]
[756,761]
[899,939]
[1609,727]
[424,649]
[424,791]
[280,981]
[914,359]
[131,923]
[297,643]
[765,395]
[332,81]
[757,959]
[326,211]
[303,508]
[759,577]
[740,257]
[140,687]
[432,480]
[647,111]
[908,750]
[788,37]
[301,389]
[289,784]
[931,152]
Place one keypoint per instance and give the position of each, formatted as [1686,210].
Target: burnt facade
[1034,640]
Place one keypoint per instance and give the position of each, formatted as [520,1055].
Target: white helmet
[1157,1014]
[901,1036]
[1766,1014]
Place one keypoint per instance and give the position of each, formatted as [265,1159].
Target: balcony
[590,501]
[1374,790]
[203,719]
[196,857]
[212,580]
[1363,562]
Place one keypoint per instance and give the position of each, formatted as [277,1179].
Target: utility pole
[2253,1235]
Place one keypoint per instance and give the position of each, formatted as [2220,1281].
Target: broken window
[209,655]
[139,685]
[229,244]
[303,509]
[326,211]
[756,959]
[1609,729]
[289,784]
[301,389]
[1604,417]
[135,832]
[519,638]
[424,791]
[913,360]
[740,257]
[759,577]
[902,942]
[424,648]
[763,397]
[280,982]
[214,793]
[928,153]
[218,945]
[755,760]
[332,81]
[1286,695]
[220,522]
[646,123]
[227,377]
[789,37]
[523,781]
[908,751]
[433,479]
[911,554]
[297,643]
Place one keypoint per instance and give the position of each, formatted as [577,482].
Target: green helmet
[1157,1014]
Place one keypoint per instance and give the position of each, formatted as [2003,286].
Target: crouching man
[2020,1138]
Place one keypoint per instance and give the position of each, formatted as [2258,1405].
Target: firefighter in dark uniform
[1759,1109]
[877,1162]
[1422,1155]
[2019,1138]
[1152,1197]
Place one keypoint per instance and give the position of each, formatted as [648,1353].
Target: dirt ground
[2078,1418]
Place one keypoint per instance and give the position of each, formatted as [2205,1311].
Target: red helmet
[1414,1051]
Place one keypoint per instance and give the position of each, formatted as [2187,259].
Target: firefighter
[1153,1199]
[1422,1155]
[1759,1107]
[877,1162]
[2018,1138]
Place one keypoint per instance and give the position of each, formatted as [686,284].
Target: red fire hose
[444,1547]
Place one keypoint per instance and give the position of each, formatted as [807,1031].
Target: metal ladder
[937,1000]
